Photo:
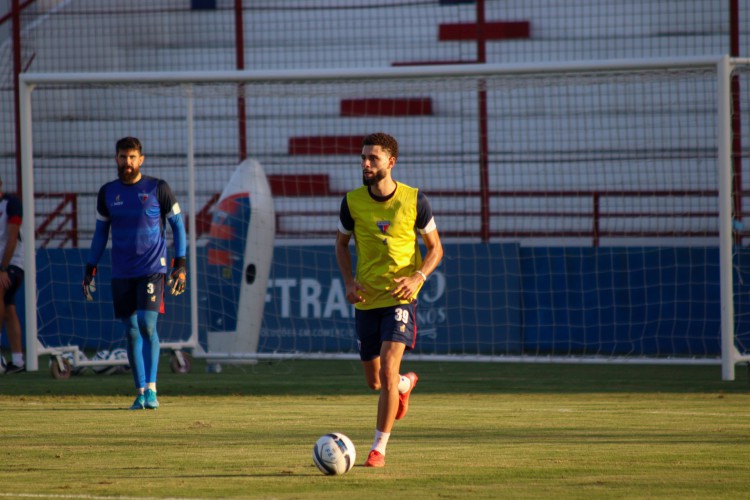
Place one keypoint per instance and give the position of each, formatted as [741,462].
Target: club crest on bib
[383,225]
[143,197]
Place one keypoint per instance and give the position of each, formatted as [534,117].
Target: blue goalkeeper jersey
[137,214]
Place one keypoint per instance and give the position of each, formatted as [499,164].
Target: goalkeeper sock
[381,441]
[18,359]
[135,350]
[151,344]
[404,384]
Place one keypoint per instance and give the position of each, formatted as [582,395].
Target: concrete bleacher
[291,150]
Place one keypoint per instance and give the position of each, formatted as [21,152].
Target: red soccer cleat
[375,459]
[403,399]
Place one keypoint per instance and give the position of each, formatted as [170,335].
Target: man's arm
[434,252]
[179,235]
[406,287]
[171,211]
[430,236]
[13,231]
[178,276]
[14,215]
[101,229]
[98,244]
[344,261]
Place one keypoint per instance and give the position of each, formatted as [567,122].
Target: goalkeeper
[136,208]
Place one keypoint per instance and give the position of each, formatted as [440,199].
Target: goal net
[589,212]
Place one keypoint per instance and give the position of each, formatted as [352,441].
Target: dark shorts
[138,294]
[375,326]
[15,274]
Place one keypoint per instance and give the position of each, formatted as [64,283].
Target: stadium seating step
[494,30]
[409,106]
[325,145]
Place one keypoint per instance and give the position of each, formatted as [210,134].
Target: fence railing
[589,215]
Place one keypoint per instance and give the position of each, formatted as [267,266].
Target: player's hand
[354,292]
[406,287]
[89,286]
[178,277]
[5,281]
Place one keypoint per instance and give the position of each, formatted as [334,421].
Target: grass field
[473,431]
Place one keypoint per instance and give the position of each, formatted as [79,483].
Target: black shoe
[11,368]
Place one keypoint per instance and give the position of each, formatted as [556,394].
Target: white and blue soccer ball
[334,454]
[120,354]
[107,358]
[106,368]
[77,370]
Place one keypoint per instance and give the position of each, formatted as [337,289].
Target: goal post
[33,346]
[589,209]
[730,353]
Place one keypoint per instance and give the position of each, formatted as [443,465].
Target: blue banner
[484,299]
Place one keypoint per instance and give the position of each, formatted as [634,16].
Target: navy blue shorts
[393,323]
[15,274]
[138,294]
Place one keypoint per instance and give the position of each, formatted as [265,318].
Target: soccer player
[136,207]
[11,275]
[384,217]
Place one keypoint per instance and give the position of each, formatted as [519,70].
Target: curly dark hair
[128,143]
[385,141]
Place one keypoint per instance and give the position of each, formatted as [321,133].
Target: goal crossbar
[368,73]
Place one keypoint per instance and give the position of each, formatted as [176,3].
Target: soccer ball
[77,370]
[334,454]
[120,354]
[105,368]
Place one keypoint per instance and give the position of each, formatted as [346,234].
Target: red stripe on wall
[413,106]
[498,30]
[326,145]
[299,184]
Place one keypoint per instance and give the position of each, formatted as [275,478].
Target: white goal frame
[723,67]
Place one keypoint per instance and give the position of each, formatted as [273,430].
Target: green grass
[473,431]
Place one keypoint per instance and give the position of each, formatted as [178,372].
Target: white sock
[404,384]
[381,441]
[18,359]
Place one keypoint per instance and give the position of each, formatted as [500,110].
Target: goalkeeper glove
[178,276]
[88,282]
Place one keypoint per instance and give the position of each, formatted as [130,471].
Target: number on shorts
[402,315]
[150,289]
